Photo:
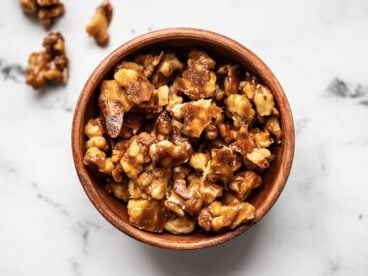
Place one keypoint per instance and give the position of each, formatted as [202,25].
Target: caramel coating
[47,11]
[49,65]
[98,27]
[183,145]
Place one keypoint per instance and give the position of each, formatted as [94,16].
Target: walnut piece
[196,116]
[217,216]
[100,22]
[146,214]
[244,182]
[47,11]
[198,81]
[130,76]
[180,225]
[49,65]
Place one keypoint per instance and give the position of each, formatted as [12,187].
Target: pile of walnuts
[183,144]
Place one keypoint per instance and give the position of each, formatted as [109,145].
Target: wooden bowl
[219,47]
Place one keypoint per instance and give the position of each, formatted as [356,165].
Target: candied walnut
[273,126]
[260,157]
[199,160]
[131,125]
[175,204]
[148,215]
[262,138]
[149,62]
[100,22]
[180,225]
[163,124]
[263,100]
[231,199]
[246,213]
[167,154]
[220,165]
[47,11]
[239,108]
[94,156]
[196,116]
[209,190]
[50,65]
[137,87]
[244,182]
[155,181]
[136,155]
[249,85]
[217,216]
[192,200]
[94,127]
[244,143]
[232,79]
[185,198]
[112,107]
[227,132]
[198,80]
[98,142]
[165,71]
[180,172]
[169,64]
[119,190]
[94,130]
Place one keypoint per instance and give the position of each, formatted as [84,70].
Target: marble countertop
[319,226]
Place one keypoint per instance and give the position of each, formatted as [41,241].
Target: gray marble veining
[319,226]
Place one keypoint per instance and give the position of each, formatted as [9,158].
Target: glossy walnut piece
[179,40]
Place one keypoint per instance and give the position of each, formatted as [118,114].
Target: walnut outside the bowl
[47,11]
[98,27]
[50,64]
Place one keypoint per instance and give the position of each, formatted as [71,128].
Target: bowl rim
[134,45]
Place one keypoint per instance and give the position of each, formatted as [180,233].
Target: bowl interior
[222,50]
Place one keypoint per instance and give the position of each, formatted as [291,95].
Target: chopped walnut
[219,167]
[262,138]
[217,216]
[196,116]
[149,62]
[166,154]
[180,225]
[198,80]
[249,85]
[263,99]
[136,85]
[100,22]
[273,126]
[232,79]
[199,160]
[136,155]
[239,108]
[184,145]
[244,182]
[148,215]
[260,157]
[50,65]
[119,190]
[47,11]
[112,107]
[246,213]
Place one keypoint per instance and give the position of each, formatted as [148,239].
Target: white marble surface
[319,51]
